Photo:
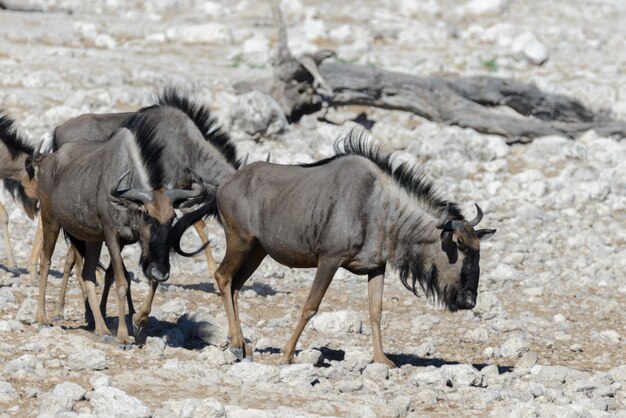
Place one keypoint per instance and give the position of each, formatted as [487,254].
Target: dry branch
[302,85]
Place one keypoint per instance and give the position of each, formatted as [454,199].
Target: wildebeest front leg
[51,231]
[70,260]
[200,227]
[326,269]
[109,276]
[375,292]
[4,221]
[140,319]
[35,253]
[121,286]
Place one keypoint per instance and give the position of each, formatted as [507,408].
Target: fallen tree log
[304,85]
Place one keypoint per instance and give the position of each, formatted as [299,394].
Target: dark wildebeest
[14,149]
[190,136]
[80,190]
[355,211]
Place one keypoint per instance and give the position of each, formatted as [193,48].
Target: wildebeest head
[459,274]
[157,218]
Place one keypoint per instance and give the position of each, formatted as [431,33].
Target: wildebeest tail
[15,188]
[208,208]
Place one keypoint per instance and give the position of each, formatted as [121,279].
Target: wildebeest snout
[157,274]
[466,299]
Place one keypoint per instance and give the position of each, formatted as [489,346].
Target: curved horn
[268,157]
[245,160]
[478,217]
[141,195]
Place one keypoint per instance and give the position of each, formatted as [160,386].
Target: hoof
[15,271]
[386,361]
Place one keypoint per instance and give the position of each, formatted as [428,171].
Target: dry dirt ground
[547,337]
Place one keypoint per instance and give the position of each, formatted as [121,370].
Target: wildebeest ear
[484,234]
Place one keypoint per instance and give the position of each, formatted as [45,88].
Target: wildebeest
[353,210]
[14,149]
[191,140]
[80,188]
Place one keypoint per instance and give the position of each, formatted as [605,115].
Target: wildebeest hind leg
[200,227]
[92,255]
[237,250]
[375,293]
[326,269]
[35,252]
[252,262]
[70,260]
[4,221]
[51,231]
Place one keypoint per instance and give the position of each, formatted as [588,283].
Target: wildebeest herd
[118,179]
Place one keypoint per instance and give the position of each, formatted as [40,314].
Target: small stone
[295,374]
[62,398]
[528,46]
[192,408]
[215,356]
[376,371]
[431,377]
[337,322]
[514,346]
[618,374]
[155,345]
[484,7]
[87,359]
[7,392]
[201,325]
[250,372]
[255,115]
[527,361]
[27,363]
[110,401]
[98,380]
[310,356]
[204,33]
[461,375]
[349,386]
[26,311]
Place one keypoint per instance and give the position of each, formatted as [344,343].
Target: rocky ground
[547,337]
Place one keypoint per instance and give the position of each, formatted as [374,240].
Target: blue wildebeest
[355,211]
[14,149]
[190,138]
[80,190]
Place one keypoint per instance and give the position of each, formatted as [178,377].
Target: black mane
[12,139]
[144,133]
[406,175]
[204,120]
[16,189]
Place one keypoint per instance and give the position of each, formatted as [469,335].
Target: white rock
[527,361]
[310,356]
[87,359]
[155,345]
[7,392]
[376,371]
[27,363]
[514,346]
[99,380]
[215,356]
[5,326]
[26,311]
[461,375]
[528,46]
[429,377]
[250,372]
[108,401]
[105,41]
[62,398]
[174,308]
[296,374]
[618,374]
[255,115]
[191,408]
[335,322]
